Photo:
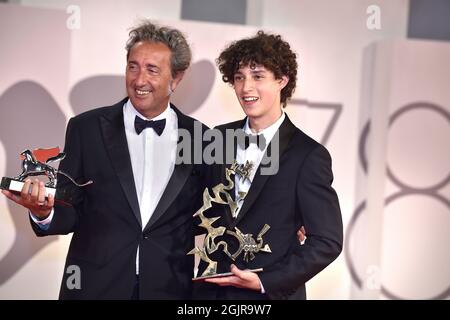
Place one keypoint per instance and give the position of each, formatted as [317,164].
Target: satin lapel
[113,130]
[285,132]
[179,176]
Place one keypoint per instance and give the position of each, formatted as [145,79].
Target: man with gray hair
[133,226]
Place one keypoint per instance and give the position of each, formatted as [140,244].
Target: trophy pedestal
[15,186]
[225,274]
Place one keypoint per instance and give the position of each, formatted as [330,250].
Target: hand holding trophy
[37,196]
[246,243]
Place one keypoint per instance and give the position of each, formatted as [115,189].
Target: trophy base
[225,274]
[15,186]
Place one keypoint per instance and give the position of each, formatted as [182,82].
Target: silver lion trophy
[247,245]
[37,163]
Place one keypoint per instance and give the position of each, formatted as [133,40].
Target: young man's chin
[251,113]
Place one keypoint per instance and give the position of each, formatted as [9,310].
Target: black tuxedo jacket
[300,193]
[105,219]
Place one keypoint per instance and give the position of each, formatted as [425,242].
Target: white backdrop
[346,78]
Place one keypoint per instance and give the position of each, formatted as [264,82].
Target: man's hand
[34,199]
[301,234]
[240,279]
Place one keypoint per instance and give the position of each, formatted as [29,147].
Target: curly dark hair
[268,50]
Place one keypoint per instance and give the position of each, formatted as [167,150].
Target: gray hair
[172,38]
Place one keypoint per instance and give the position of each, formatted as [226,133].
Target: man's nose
[140,78]
[247,85]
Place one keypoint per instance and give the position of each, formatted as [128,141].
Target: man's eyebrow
[258,71]
[253,71]
[148,65]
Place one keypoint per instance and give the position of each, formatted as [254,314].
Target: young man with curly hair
[262,71]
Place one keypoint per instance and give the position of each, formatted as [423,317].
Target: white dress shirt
[252,154]
[152,159]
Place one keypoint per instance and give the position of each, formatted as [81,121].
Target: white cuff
[44,222]
[262,287]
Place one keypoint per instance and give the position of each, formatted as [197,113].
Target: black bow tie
[259,140]
[157,125]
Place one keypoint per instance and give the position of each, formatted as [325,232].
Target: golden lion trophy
[37,163]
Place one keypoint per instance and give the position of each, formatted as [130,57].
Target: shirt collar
[268,132]
[130,113]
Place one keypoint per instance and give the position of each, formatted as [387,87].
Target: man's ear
[283,82]
[176,80]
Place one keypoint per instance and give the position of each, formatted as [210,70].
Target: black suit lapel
[226,213]
[116,145]
[285,133]
[227,164]
[179,176]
